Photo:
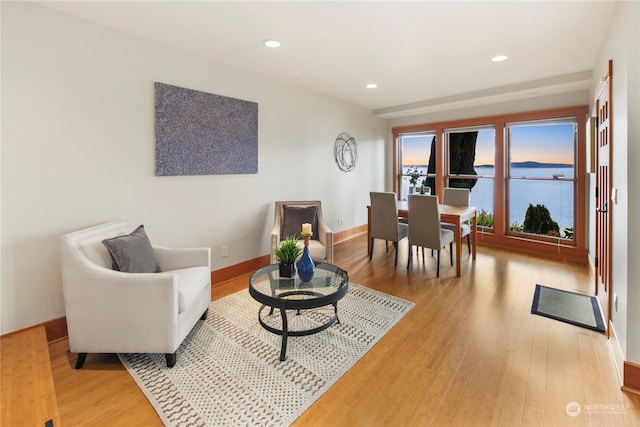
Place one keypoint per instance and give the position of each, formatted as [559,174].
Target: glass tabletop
[268,287]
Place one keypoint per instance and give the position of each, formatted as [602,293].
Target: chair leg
[409,257]
[451,252]
[80,360]
[386,245]
[438,265]
[371,251]
[204,315]
[171,359]
[395,245]
[469,242]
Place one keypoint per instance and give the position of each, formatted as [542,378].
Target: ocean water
[554,193]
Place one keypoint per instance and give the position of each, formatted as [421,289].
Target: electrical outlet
[340,221]
[224,251]
[615,302]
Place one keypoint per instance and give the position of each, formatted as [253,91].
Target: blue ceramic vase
[306,267]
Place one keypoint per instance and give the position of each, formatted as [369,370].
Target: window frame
[509,178]
[399,174]
[447,150]
[574,250]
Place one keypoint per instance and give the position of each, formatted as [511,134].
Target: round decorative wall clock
[346,152]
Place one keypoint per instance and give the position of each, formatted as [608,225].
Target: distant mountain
[540,165]
[532,165]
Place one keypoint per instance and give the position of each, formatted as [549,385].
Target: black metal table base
[286,333]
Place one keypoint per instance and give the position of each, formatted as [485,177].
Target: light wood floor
[469,353]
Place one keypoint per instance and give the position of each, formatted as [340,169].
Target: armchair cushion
[132,253]
[191,282]
[295,216]
[316,249]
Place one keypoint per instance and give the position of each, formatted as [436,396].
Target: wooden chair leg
[469,242]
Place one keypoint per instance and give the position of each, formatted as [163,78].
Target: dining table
[448,213]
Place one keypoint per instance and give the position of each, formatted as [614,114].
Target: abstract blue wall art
[199,133]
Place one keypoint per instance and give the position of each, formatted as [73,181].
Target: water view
[555,192]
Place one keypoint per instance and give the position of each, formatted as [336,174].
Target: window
[417,153]
[471,164]
[541,179]
[510,162]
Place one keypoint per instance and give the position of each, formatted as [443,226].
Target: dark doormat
[570,307]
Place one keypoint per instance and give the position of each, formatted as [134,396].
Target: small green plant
[485,219]
[413,174]
[288,250]
[517,227]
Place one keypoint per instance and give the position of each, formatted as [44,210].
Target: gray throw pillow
[295,216]
[132,253]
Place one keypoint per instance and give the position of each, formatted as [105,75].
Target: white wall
[632,25]
[622,45]
[78,149]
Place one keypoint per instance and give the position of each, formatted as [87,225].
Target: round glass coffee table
[328,285]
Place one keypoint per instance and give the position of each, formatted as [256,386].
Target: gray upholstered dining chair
[426,192]
[458,197]
[424,227]
[384,221]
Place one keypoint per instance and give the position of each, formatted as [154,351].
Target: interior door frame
[604,205]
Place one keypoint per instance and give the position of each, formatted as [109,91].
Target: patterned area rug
[229,373]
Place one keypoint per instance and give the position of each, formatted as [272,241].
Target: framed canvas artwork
[199,133]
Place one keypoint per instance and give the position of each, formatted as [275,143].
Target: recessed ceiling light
[272,43]
[372,86]
[499,58]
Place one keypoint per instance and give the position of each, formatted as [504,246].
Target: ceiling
[424,55]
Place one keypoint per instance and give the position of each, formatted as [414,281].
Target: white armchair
[290,216]
[111,311]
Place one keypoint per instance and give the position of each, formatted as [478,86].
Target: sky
[548,143]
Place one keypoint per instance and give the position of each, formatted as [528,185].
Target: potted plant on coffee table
[287,253]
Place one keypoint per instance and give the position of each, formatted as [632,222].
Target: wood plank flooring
[28,393]
[469,353]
